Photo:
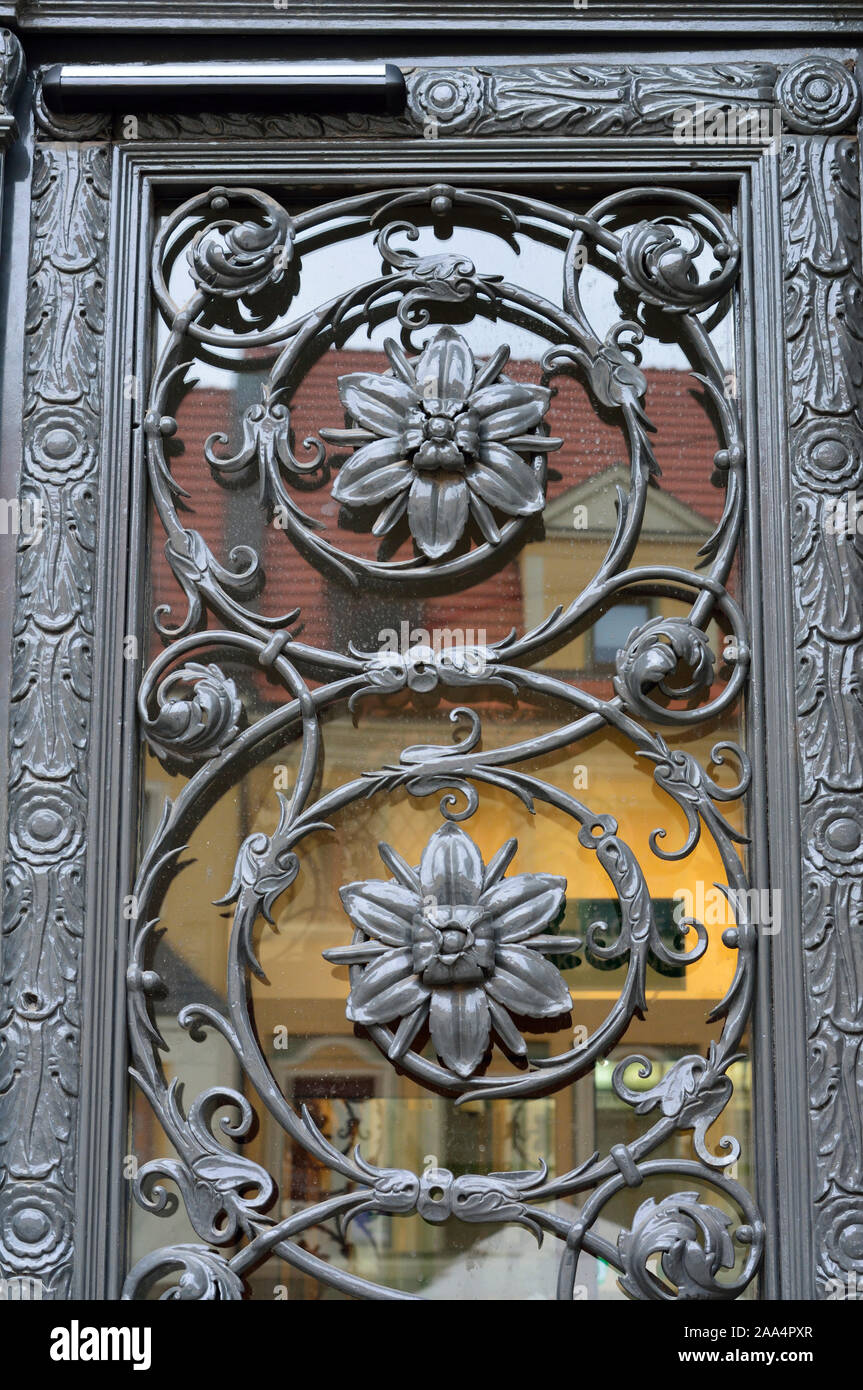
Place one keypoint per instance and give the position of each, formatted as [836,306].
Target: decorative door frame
[661,18]
[70,831]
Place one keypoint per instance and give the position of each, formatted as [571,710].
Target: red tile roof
[684,443]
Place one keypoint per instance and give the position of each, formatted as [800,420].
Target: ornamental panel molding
[49,740]
[659,16]
[824,333]
[817,94]
[603,99]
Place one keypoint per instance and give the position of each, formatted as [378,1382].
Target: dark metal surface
[816,94]
[14,235]
[49,745]
[821,240]
[11,72]
[822,230]
[663,18]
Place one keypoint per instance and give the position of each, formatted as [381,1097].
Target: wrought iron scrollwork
[444,443]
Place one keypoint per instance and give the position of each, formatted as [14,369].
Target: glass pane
[585,746]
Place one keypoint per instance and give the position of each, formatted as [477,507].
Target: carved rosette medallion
[818,96]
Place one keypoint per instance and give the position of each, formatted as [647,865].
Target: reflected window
[611,630]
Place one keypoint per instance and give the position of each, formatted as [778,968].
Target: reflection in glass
[355,1095]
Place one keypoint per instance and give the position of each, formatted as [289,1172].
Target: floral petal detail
[522,905]
[437,513]
[460,1028]
[356,955]
[484,519]
[444,455]
[466,437]
[399,867]
[407,1031]
[526,983]
[491,367]
[499,863]
[555,945]
[505,480]
[378,403]
[386,990]
[503,424]
[424,952]
[505,395]
[534,443]
[451,870]
[445,368]
[391,515]
[374,473]
[345,438]
[383,910]
[400,364]
[506,1029]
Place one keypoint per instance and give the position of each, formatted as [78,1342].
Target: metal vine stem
[452,449]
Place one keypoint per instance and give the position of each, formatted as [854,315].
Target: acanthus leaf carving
[50,718]
[582,98]
[824,333]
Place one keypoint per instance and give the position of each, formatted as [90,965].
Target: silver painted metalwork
[451,943]
[815,95]
[822,276]
[821,232]
[441,438]
[46,857]
[601,18]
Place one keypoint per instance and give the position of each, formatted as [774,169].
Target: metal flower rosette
[449,955]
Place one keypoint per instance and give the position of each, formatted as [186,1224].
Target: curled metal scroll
[444,444]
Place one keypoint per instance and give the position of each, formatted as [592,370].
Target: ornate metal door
[449,499]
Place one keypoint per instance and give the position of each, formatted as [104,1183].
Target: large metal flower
[440,437]
[456,945]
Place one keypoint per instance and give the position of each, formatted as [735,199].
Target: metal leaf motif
[51,750]
[653,653]
[204,1275]
[695,1244]
[659,263]
[695,1091]
[200,726]
[267,442]
[232,258]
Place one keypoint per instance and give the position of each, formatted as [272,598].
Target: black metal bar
[69,88]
